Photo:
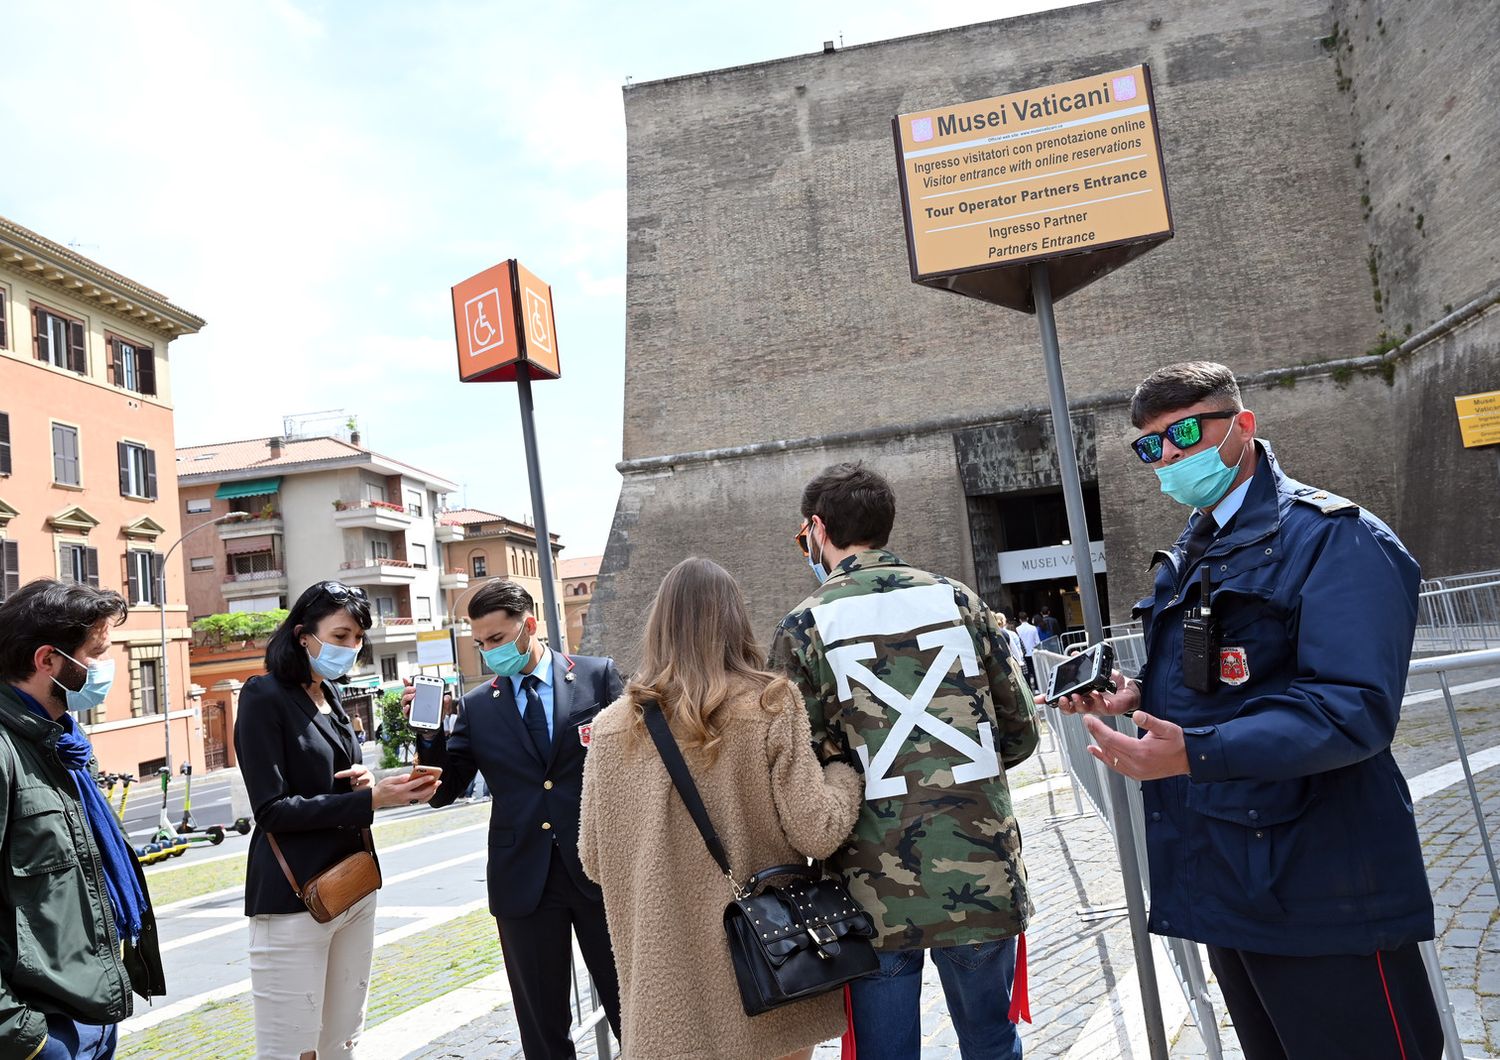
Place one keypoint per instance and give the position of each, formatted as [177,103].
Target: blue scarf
[126,898]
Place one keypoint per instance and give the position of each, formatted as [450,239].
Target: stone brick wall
[770,312]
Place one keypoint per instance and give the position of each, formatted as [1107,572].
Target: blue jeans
[67,1040]
[976,982]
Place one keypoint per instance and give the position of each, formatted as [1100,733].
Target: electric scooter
[148,854]
[189,826]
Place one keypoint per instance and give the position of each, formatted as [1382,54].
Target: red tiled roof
[254,454]
[470,516]
[581,567]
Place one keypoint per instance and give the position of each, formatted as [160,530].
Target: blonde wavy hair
[697,651]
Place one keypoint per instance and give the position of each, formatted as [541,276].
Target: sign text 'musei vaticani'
[1070,171]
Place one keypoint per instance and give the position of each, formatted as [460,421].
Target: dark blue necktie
[536,716]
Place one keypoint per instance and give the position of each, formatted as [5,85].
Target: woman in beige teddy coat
[746,739]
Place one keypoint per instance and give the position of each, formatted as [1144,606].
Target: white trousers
[310,982]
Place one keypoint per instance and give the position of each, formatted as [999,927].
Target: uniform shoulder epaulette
[1325,502]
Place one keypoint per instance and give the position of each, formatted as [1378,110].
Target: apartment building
[481,545]
[311,509]
[85,418]
[578,576]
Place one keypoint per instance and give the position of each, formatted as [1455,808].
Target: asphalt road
[143,808]
[205,940]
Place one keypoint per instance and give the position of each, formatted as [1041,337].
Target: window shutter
[91,556]
[38,329]
[158,581]
[58,456]
[10,568]
[4,443]
[3,336]
[123,451]
[113,370]
[150,473]
[145,371]
[78,359]
[132,582]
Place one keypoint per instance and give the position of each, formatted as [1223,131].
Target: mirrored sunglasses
[1184,434]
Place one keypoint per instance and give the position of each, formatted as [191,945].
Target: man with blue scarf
[77,934]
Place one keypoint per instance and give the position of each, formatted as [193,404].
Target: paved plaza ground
[438,989]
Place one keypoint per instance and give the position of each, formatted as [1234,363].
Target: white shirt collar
[1231,504]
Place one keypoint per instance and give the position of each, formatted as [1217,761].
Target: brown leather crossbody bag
[338,887]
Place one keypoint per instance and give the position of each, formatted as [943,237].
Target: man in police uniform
[1279,829]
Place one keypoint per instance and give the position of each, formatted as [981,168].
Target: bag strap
[682,780]
[286,870]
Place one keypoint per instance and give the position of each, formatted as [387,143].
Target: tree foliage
[242,626]
[394,731]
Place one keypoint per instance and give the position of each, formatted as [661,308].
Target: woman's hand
[359,776]
[404,790]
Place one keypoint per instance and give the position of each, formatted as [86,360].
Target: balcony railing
[256,576]
[355,564]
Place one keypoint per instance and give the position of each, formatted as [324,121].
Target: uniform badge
[1234,667]
[585,734]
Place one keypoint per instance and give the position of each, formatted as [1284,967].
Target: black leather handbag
[788,941]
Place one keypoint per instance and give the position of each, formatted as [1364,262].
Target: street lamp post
[161,600]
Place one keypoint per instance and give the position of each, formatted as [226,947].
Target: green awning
[258,488]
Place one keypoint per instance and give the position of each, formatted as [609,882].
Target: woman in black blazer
[301,763]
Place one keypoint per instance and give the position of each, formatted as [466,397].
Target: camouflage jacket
[908,670]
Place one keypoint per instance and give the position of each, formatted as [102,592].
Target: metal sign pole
[1067,459]
[538,505]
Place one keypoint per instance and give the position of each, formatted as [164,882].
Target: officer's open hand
[407,694]
[1160,753]
[1126,699]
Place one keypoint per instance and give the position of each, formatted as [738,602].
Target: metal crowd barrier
[588,1010]
[1087,773]
[1460,617]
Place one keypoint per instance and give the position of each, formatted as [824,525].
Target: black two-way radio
[1200,643]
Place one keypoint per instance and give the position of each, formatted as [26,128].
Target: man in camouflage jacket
[906,673]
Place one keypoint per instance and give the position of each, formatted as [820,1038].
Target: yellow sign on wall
[1069,169]
[1479,418]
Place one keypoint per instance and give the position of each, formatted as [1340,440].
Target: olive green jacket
[59,951]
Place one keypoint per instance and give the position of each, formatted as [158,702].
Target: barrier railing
[1087,774]
[588,1011]
[1458,618]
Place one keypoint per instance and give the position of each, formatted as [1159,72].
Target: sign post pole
[1088,592]
[538,505]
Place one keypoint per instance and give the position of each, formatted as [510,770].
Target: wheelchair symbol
[536,320]
[483,317]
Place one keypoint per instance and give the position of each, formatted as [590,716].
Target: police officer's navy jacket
[1293,833]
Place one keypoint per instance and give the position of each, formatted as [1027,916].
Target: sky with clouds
[312,177]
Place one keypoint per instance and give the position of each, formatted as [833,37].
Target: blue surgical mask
[507,660]
[1200,480]
[332,661]
[819,568]
[96,684]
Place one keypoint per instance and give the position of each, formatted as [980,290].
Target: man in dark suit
[527,731]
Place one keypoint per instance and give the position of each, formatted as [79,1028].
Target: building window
[374,491]
[245,565]
[414,502]
[201,563]
[10,568]
[149,688]
[4,443]
[419,556]
[199,505]
[479,566]
[59,340]
[388,670]
[78,563]
[65,464]
[380,550]
[137,470]
[385,606]
[424,609]
[140,576]
[132,367]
